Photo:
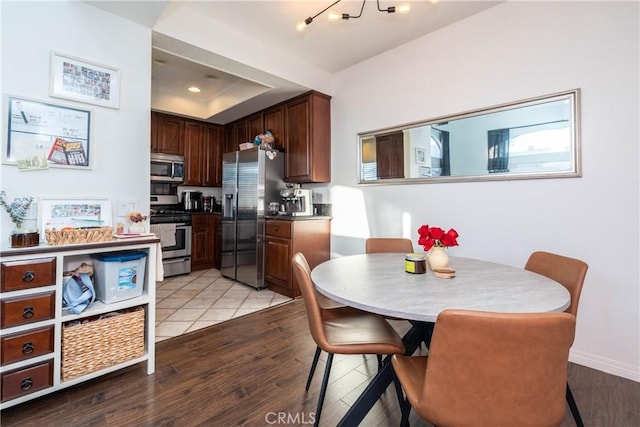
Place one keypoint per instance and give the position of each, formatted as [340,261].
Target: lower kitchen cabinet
[45,348]
[283,238]
[202,241]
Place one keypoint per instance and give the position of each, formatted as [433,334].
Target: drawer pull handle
[27,347]
[26,383]
[28,312]
[28,276]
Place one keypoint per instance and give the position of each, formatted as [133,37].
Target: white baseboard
[609,366]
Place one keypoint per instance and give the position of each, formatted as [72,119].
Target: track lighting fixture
[335,16]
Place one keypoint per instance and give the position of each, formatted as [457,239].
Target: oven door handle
[182,224]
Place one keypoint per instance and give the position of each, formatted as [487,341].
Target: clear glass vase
[136,227]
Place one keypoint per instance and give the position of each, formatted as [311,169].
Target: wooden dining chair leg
[313,367]
[323,388]
[574,408]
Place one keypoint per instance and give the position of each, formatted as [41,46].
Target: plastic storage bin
[119,276]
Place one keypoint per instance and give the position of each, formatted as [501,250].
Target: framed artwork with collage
[84,81]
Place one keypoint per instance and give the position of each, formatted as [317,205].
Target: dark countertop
[297,218]
[282,217]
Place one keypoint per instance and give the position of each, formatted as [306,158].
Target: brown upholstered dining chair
[570,273]
[490,369]
[375,245]
[342,330]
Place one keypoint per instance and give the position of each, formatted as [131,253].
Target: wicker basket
[98,344]
[88,235]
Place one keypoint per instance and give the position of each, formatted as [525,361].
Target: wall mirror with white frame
[527,139]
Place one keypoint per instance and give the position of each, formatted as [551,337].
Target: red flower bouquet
[435,236]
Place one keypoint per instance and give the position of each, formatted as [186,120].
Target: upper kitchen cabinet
[243,130]
[212,158]
[274,121]
[236,133]
[255,125]
[193,152]
[308,138]
[167,134]
[202,154]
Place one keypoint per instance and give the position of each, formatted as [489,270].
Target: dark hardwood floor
[252,370]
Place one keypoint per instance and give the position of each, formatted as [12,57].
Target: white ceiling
[329,46]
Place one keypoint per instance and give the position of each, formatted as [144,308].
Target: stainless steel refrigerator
[250,180]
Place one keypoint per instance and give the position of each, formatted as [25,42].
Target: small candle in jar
[120,228]
[415,264]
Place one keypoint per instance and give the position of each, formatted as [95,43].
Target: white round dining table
[378,283]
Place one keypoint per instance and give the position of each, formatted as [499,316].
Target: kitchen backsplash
[322,209]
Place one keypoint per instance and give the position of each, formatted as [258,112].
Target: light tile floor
[203,298]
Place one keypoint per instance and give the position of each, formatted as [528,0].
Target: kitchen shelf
[46,369]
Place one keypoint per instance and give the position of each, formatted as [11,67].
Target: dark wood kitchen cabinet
[202,154]
[202,237]
[274,121]
[212,156]
[283,238]
[308,138]
[236,133]
[167,133]
[255,125]
[193,152]
[243,130]
[229,139]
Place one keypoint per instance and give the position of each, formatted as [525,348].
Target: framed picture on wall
[84,81]
[81,212]
[421,156]
[42,135]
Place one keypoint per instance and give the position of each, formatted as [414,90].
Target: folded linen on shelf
[166,233]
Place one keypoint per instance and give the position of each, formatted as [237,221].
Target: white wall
[120,143]
[514,51]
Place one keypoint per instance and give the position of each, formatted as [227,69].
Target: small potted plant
[18,210]
[136,219]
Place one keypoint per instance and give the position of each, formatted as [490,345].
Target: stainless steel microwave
[167,168]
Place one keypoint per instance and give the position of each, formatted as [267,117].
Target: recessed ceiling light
[194,89]
[211,77]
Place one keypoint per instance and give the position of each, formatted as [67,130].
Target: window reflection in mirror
[535,138]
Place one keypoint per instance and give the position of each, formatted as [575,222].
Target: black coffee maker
[192,201]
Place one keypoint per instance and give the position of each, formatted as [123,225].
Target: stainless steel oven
[176,258]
